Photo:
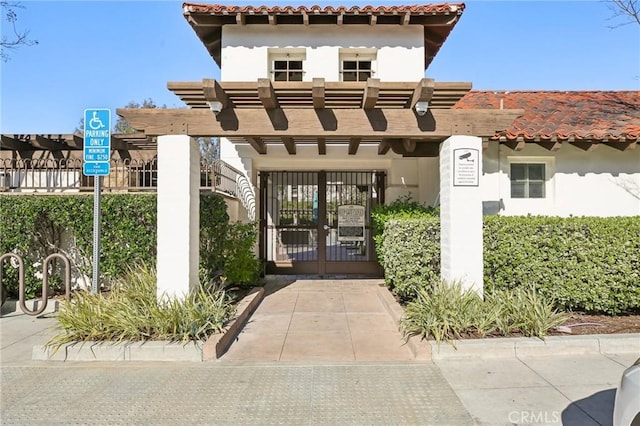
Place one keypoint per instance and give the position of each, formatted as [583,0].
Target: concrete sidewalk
[320,320]
[563,380]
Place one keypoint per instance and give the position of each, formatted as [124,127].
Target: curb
[502,347]
[420,349]
[510,347]
[213,348]
[217,344]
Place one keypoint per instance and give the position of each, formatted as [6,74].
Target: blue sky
[94,54]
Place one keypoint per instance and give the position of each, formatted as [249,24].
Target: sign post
[96,163]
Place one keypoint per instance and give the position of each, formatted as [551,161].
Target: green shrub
[584,263]
[35,226]
[410,255]
[446,312]
[131,312]
[241,267]
[214,224]
[402,208]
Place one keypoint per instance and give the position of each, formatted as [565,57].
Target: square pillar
[461,212]
[178,215]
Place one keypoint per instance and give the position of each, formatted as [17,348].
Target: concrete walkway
[563,380]
[320,320]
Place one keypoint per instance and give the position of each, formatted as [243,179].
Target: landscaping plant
[131,312]
[446,311]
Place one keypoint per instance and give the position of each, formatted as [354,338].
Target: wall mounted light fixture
[215,106]
[421,108]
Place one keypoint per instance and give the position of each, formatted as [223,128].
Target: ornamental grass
[446,312]
[131,312]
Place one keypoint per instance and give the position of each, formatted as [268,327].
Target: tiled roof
[551,115]
[414,9]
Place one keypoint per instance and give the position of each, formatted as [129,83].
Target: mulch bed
[580,323]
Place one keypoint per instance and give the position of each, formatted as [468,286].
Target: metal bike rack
[45,280]
[20,272]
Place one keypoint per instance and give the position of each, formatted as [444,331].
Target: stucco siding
[245,50]
[605,182]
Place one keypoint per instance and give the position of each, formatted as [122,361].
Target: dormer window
[286,65]
[357,65]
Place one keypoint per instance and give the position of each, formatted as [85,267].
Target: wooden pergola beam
[384,147]
[13,144]
[77,141]
[257,144]
[266,94]
[322,146]
[423,92]
[371,93]
[290,144]
[318,93]
[213,92]
[409,145]
[354,143]
[47,143]
[306,122]
[119,144]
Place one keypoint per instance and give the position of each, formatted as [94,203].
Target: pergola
[351,114]
[25,145]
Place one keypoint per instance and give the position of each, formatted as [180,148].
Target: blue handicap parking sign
[97,142]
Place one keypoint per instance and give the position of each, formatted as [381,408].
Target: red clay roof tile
[606,115]
[416,9]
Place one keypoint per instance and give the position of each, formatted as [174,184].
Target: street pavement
[562,381]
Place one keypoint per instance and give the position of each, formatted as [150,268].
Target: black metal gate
[319,222]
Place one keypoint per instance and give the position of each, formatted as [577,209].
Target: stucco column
[461,212]
[178,215]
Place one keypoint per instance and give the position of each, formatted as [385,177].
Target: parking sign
[97,142]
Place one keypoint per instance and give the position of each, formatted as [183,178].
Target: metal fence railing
[61,175]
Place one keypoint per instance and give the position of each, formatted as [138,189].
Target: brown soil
[579,323]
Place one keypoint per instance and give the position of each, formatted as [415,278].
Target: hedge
[584,263]
[35,226]
[589,264]
[410,255]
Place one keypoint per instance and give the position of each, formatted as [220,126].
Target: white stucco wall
[245,49]
[605,182]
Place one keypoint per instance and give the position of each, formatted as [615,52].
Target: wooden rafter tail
[354,143]
[322,146]
[588,146]
[516,145]
[371,93]
[409,145]
[213,92]
[46,143]
[423,92]
[552,146]
[14,144]
[384,146]
[266,94]
[257,144]
[318,93]
[622,145]
[290,144]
